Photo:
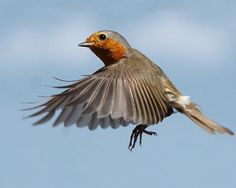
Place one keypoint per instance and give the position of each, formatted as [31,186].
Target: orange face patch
[109,50]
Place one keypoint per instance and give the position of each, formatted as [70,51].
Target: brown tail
[193,113]
[190,109]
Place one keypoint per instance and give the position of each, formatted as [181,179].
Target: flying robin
[129,89]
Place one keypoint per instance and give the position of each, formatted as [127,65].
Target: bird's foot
[138,132]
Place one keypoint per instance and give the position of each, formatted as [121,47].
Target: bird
[130,89]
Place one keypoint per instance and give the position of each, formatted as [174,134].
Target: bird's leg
[138,132]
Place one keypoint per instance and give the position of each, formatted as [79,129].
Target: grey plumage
[119,94]
[133,91]
[129,89]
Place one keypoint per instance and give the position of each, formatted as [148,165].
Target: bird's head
[108,45]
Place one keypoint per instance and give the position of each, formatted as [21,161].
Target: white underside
[183,100]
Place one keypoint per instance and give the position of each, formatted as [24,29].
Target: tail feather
[200,119]
[191,110]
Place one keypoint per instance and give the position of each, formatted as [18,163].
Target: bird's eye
[102,36]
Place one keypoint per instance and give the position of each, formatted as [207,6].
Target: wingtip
[227,131]
[230,132]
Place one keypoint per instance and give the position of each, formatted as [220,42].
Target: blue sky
[193,41]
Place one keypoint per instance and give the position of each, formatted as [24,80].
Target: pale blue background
[193,41]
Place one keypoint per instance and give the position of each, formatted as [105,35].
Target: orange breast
[109,51]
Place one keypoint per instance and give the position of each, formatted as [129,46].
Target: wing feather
[115,123]
[63,115]
[128,92]
[55,102]
[46,118]
[84,120]
[105,122]
[130,110]
[107,101]
[94,122]
[118,100]
[74,114]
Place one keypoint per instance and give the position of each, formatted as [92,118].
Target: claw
[138,132]
[140,139]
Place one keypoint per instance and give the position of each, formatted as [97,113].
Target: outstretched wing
[101,98]
[116,95]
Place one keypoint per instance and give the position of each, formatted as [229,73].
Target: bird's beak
[85,44]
